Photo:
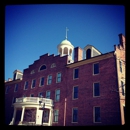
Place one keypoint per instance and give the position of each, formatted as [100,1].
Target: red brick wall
[108,100]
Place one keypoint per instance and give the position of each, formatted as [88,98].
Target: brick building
[75,91]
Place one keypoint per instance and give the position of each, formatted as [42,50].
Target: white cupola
[65,48]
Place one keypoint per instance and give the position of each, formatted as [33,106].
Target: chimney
[9,79]
[122,40]
[78,54]
[17,74]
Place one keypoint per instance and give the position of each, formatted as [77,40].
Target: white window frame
[48,79]
[57,116]
[98,68]
[40,82]
[94,89]
[74,73]
[40,94]
[25,85]
[16,87]
[32,83]
[7,89]
[58,77]
[73,92]
[72,114]
[94,114]
[57,95]
[47,95]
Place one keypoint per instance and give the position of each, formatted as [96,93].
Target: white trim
[74,73]
[72,114]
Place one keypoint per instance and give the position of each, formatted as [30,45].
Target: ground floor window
[29,115]
[75,115]
[55,115]
[45,116]
[97,117]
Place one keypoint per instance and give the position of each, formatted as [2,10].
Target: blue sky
[35,29]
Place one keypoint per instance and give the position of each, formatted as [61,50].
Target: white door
[39,117]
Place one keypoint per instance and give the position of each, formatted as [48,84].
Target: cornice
[93,59]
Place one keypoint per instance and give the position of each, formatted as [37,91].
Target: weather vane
[66,32]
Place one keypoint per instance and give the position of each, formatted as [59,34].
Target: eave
[93,59]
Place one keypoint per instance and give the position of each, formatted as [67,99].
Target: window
[14,76]
[53,65]
[42,81]
[32,72]
[57,95]
[120,63]
[33,83]
[76,73]
[58,78]
[16,88]
[48,94]
[75,92]
[97,117]
[88,54]
[96,68]
[46,115]
[122,87]
[55,115]
[43,67]
[13,100]
[7,89]
[49,79]
[26,85]
[31,95]
[40,94]
[75,115]
[96,89]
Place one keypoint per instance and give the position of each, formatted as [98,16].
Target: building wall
[120,56]
[108,100]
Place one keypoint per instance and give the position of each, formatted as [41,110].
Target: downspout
[65,111]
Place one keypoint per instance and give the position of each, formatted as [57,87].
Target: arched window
[88,54]
[42,67]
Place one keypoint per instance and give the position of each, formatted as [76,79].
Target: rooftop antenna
[66,32]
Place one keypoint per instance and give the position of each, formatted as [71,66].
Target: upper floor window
[13,100]
[55,115]
[41,81]
[40,94]
[57,95]
[96,68]
[75,115]
[7,89]
[48,93]
[58,77]
[26,85]
[120,64]
[31,95]
[75,92]
[76,73]
[122,87]
[33,83]
[97,117]
[49,80]
[43,67]
[96,89]
[16,88]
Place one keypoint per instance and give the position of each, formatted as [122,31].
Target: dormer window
[88,54]
[43,67]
